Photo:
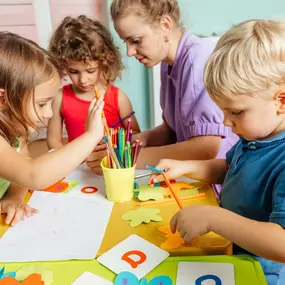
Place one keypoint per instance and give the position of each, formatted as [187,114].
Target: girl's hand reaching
[15,210]
[172,168]
[94,121]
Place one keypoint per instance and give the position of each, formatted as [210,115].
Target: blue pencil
[154,169]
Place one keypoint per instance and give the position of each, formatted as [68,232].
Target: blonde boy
[245,76]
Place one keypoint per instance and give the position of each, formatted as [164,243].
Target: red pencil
[128,130]
[135,152]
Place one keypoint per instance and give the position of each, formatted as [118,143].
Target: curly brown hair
[151,10]
[23,66]
[84,39]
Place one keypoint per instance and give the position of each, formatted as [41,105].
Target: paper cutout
[89,190]
[151,193]
[33,279]
[61,186]
[112,259]
[127,278]
[189,192]
[142,215]
[172,241]
[200,273]
[8,274]
[88,278]
[177,188]
[134,263]
[25,271]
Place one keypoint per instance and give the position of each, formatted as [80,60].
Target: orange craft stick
[169,200]
[103,116]
[176,197]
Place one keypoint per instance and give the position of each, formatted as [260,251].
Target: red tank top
[75,110]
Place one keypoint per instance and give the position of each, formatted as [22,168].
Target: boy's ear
[281,99]
[3,103]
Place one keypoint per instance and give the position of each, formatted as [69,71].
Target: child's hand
[192,222]
[94,121]
[172,168]
[15,211]
[93,161]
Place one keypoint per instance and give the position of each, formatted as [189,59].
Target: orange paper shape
[58,187]
[33,279]
[172,241]
[177,188]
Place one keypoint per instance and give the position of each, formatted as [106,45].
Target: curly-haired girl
[86,52]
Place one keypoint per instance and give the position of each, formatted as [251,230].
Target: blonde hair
[23,66]
[84,39]
[150,10]
[249,59]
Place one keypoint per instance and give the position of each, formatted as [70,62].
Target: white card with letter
[205,273]
[88,278]
[134,254]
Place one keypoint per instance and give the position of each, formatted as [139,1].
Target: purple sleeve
[201,115]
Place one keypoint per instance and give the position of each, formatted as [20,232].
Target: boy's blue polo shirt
[254,187]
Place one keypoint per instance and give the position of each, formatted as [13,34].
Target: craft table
[247,270]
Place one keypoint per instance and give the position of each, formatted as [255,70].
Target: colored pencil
[112,152]
[103,115]
[128,130]
[123,119]
[176,197]
[154,169]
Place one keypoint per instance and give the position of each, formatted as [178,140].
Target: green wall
[203,17]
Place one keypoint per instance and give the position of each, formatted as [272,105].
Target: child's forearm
[158,136]
[54,144]
[210,171]
[16,192]
[40,172]
[263,239]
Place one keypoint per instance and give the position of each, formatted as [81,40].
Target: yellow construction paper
[24,272]
[142,215]
[189,192]
[151,193]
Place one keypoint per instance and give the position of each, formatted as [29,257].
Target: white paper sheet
[66,228]
[88,278]
[86,177]
[196,273]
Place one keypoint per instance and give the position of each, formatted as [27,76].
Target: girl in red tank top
[87,54]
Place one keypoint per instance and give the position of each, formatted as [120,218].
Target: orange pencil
[103,116]
[168,200]
[176,197]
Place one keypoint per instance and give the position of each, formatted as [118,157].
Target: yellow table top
[118,229]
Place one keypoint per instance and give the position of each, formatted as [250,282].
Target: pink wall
[18,16]
[63,8]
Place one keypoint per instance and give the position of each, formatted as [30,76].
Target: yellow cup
[119,182]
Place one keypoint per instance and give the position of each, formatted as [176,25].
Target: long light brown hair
[23,66]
